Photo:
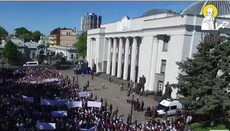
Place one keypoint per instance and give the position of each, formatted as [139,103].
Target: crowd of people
[18,114]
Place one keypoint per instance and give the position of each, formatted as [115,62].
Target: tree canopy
[36,36]
[10,51]
[22,30]
[81,45]
[3,33]
[204,78]
[27,35]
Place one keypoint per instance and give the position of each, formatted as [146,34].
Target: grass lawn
[201,127]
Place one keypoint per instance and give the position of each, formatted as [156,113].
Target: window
[71,56]
[163,66]
[162,107]
[173,107]
[160,85]
[33,55]
[165,46]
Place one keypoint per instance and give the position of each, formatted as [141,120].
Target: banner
[47,102]
[51,80]
[83,94]
[59,102]
[74,104]
[28,99]
[46,126]
[53,102]
[94,104]
[88,128]
[59,113]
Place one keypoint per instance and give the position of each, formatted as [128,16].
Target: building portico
[146,46]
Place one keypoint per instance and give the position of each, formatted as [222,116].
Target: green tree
[204,78]
[3,33]
[81,45]
[26,37]
[58,56]
[21,30]
[10,51]
[36,36]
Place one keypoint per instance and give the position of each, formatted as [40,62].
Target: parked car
[30,64]
[84,70]
[168,107]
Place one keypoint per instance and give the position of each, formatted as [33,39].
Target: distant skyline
[48,15]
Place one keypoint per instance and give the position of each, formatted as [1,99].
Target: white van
[31,63]
[169,107]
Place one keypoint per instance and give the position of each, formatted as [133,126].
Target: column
[120,58]
[126,61]
[89,50]
[153,63]
[133,59]
[114,57]
[109,57]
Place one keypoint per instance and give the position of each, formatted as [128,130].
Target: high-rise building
[90,21]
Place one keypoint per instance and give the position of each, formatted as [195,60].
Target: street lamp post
[77,68]
[77,77]
[131,113]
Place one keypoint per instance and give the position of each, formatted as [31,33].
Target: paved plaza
[113,95]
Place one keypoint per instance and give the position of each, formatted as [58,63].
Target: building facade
[62,37]
[68,51]
[90,21]
[149,45]
[29,49]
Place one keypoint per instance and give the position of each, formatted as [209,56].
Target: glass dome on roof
[222,6]
[157,11]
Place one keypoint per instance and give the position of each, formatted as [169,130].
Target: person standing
[121,87]
[135,121]
[88,83]
[95,97]
[103,85]
[101,100]
[92,75]
[129,119]
[138,105]
[106,104]
[110,79]
[116,112]
[142,105]
[73,79]
[153,113]
[86,87]
[110,108]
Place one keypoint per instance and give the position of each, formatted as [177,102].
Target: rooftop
[222,6]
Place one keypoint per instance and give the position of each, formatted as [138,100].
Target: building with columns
[150,45]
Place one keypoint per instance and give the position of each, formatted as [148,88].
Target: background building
[151,45]
[30,50]
[62,37]
[69,52]
[90,21]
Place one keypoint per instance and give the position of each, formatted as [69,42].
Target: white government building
[151,45]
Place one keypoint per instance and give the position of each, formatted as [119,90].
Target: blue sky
[48,15]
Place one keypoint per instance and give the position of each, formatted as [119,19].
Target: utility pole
[131,113]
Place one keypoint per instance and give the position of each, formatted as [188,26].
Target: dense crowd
[17,114]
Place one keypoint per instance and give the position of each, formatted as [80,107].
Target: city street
[113,95]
